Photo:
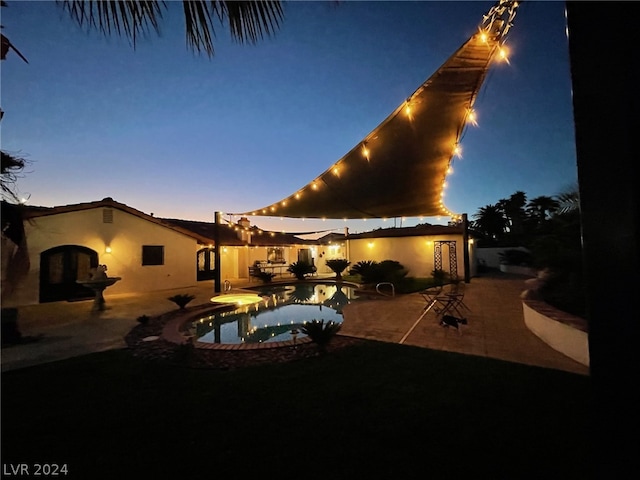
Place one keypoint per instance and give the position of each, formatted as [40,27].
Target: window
[152,255]
[275,255]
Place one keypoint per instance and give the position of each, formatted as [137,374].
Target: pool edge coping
[172,330]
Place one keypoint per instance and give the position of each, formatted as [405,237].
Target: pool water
[282,309]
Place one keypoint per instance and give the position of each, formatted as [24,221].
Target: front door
[60,267]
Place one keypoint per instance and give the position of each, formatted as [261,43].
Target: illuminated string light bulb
[297,195]
[449,170]
[365,152]
[335,171]
[457,151]
[503,54]
[407,110]
[472,117]
[483,36]
[314,186]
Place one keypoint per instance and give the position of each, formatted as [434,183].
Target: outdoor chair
[430,296]
[451,301]
[254,272]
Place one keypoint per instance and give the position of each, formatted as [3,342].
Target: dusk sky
[175,134]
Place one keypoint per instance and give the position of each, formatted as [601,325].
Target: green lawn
[368,411]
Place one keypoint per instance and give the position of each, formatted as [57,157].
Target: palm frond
[250,21]
[129,18]
[11,166]
[199,27]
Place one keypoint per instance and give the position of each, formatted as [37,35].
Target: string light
[495,25]
[365,151]
[471,117]
[457,150]
[503,54]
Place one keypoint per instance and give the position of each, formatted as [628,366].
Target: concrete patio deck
[495,327]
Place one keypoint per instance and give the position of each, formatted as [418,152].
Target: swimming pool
[281,310]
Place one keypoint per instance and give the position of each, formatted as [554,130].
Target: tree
[248,21]
[513,208]
[11,164]
[490,221]
[541,208]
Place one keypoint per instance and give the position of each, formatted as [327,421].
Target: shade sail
[399,169]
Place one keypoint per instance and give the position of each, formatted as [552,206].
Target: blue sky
[180,135]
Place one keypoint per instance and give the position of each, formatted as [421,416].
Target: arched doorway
[206,264]
[60,267]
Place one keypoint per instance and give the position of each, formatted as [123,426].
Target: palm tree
[248,21]
[513,208]
[490,221]
[542,207]
[568,201]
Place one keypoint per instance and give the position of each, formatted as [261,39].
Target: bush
[362,268]
[516,257]
[321,333]
[182,299]
[440,277]
[373,272]
[301,269]
[266,277]
[338,265]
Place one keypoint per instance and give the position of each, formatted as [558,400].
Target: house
[420,249]
[62,244]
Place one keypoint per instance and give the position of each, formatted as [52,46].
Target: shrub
[386,271]
[321,333]
[439,276]
[362,268]
[301,269]
[266,277]
[373,272]
[516,257]
[182,299]
[338,265]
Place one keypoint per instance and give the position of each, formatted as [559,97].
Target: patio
[496,327]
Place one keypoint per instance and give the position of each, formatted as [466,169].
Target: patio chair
[451,301]
[254,272]
[430,296]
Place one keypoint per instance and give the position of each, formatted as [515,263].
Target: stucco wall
[415,253]
[490,256]
[125,235]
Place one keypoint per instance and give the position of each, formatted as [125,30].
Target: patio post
[216,254]
[465,246]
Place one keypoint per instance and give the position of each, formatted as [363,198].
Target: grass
[370,411]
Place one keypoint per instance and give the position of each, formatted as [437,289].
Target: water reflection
[283,309]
